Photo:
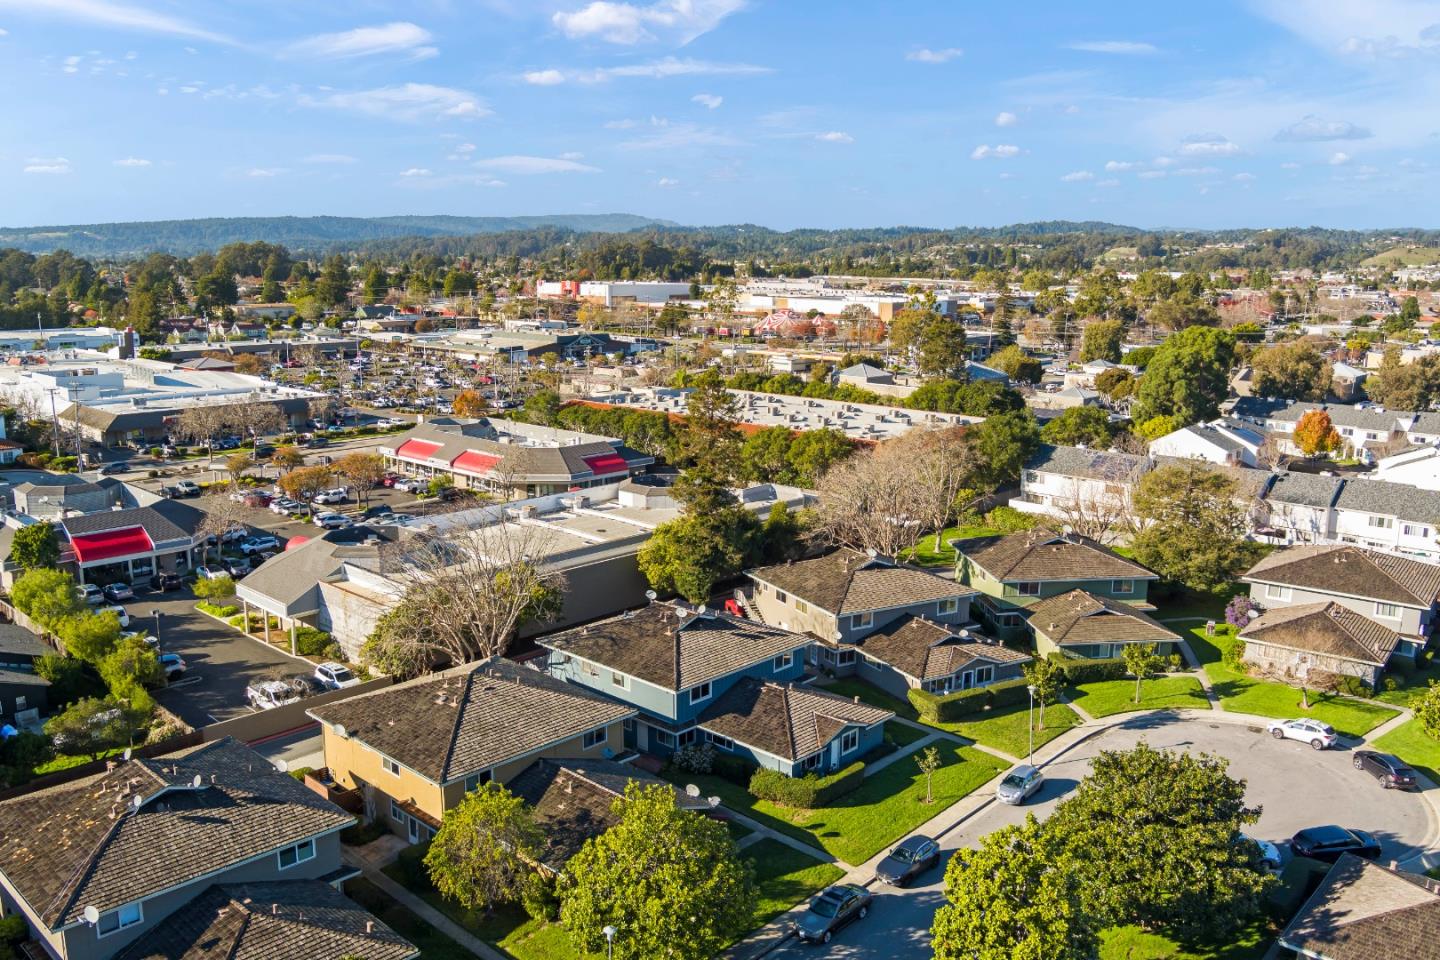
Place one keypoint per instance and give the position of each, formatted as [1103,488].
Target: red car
[258,499]
[389,479]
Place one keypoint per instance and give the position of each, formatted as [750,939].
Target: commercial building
[611,293]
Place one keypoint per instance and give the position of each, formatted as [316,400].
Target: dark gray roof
[1046,555]
[164,520]
[786,720]
[518,461]
[1304,489]
[925,650]
[276,920]
[1351,571]
[848,581]
[16,639]
[1092,464]
[1364,911]
[1391,499]
[85,844]
[21,678]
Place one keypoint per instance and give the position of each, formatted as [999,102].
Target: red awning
[606,463]
[94,547]
[476,463]
[418,450]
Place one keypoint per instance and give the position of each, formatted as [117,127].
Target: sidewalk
[421,909]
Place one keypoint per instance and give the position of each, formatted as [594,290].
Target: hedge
[1078,670]
[737,770]
[808,792]
[950,707]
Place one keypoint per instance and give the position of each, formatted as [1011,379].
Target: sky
[785,113]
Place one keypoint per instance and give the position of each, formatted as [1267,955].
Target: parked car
[1389,769]
[834,908]
[1269,853]
[336,495]
[412,485]
[258,499]
[119,612]
[174,666]
[119,466]
[210,572]
[170,493]
[331,521]
[1328,843]
[236,568]
[269,694]
[390,479]
[1019,784]
[1320,736]
[317,441]
[188,488]
[380,509]
[116,592]
[166,582]
[908,860]
[335,676]
[285,505]
[91,593]
[255,544]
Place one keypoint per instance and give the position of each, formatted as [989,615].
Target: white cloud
[1108,182]
[4,32]
[527,166]
[708,100]
[71,64]
[1006,119]
[1161,162]
[391,39]
[572,155]
[681,136]
[406,102]
[1208,145]
[1001,151]
[1196,171]
[1151,174]
[835,136]
[679,21]
[673,67]
[103,13]
[926,55]
[620,124]
[667,182]
[47,165]
[1313,129]
[264,172]
[1120,166]
[415,172]
[1290,165]
[544,78]
[1078,176]
[1122,47]
[131,162]
[1339,158]
[331,158]
[1245,177]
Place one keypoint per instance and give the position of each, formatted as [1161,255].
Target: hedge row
[808,792]
[1077,670]
[950,707]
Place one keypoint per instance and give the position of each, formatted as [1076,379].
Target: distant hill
[1403,256]
[184,237]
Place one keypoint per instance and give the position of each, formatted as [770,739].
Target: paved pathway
[429,914]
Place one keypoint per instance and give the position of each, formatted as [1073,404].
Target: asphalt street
[1295,786]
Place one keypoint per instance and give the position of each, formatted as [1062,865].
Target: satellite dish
[282,765]
[136,801]
[650,594]
[691,790]
[713,801]
[964,634]
[197,781]
[872,552]
[340,730]
[1067,529]
[126,754]
[91,915]
[701,610]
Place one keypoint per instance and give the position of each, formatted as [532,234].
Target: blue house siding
[898,685]
[831,757]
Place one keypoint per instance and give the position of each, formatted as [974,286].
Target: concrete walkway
[421,909]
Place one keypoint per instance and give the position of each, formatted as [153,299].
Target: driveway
[220,661]
[1296,787]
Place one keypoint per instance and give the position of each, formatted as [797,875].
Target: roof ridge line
[455,727]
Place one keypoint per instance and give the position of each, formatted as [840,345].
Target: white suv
[1319,735]
[269,694]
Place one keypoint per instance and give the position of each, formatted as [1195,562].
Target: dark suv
[1328,843]
[1390,770]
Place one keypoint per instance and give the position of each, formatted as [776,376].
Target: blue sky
[780,112]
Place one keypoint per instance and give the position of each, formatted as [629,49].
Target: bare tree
[870,501]
[362,471]
[1102,518]
[254,418]
[202,424]
[466,593]
[221,515]
[940,465]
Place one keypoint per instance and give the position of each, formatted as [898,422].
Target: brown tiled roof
[281,920]
[1328,629]
[85,844]
[1079,617]
[673,647]
[924,650]
[787,720]
[572,801]
[453,724]
[1363,911]
[1352,571]
[1047,555]
[848,581]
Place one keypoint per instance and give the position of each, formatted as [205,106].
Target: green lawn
[1006,729]
[1192,603]
[887,805]
[433,944]
[785,876]
[1133,943]
[1411,743]
[1108,697]
[902,734]
[926,555]
[1414,685]
[65,761]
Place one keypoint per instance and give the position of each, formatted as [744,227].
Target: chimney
[369,926]
[274,909]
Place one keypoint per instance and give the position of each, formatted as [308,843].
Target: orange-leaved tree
[1315,434]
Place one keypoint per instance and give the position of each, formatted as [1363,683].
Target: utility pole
[54,421]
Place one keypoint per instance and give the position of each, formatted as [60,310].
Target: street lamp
[609,932]
[156,614]
[1031,715]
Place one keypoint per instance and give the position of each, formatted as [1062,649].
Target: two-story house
[1220,441]
[1389,516]
[23,693]
[415,749]
[1061,482]
[144,852]
[670,663]
[845,595]
[1298,508]
[1012,573]
[1080,624]
[1400,594]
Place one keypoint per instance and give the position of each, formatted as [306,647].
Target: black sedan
[166,582]
[1326,844]
[908,860]
[1389,769]
[832,909]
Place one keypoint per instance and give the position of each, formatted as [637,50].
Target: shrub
[735,769]
[1237,611]
[1009,520]
[1353,687]
[13,930]
[217,589]
[950,707]
[807,792]
[540,899]
[366,831]
[1079,671]
[311,642]
[695,758]
[411,866]
[224,613]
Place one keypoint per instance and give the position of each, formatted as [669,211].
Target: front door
[967,679]
[413,827]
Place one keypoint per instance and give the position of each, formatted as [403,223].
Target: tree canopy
[1188,376]
[1194,528]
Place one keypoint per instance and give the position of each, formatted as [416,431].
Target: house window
[663,737]
[1347,432]
[1008,620]
[812,761]
[1122,586]
[619,680]
[389,766]
[782,662]
[686,738]
[396,813]
[1381,523]
[290,856]
[589,669]
[721,743]
[1411,530]
[1274,591]
[1031,476]
[702,692]
[984,675]
[472,782]
[781,596]
[861,621]
[845,657]
[849,740]
[947,607]
[126,916]
[1027,588]
[1389,610]
[594,738]
[801,606]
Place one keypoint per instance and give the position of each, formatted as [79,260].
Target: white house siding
[1412,620]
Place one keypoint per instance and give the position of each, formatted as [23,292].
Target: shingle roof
[848,581]
[1363,911]
[674,648]
[1391,499]
[1092,464]
[22,678]
[925,650]
[572,800]
[15,639]
[1327,629]
[1304,490]
[1080,617]
[84,844]
[278,920]
[786,720]
[165,520]
[1046,555]
[493,711]
[1352,571]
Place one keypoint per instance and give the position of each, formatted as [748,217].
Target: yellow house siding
[353,764]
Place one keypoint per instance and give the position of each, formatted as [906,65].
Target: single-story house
[1366,911]
[913,652]
[1291,642]
[1081,624]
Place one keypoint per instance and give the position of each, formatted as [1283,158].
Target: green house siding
[1013,596]
[1044,646]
